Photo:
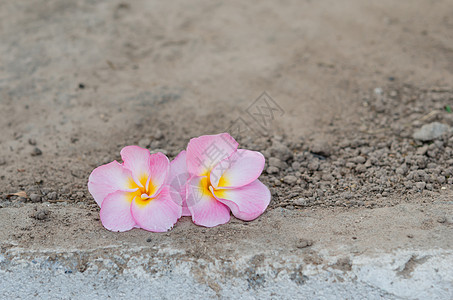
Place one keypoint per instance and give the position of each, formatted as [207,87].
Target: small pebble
[281,151]
[158,135]
[272,170]
[290,179]
[422,150]
[36,152]
[402,169]
[35,198]
[313,165]
[321,147]
[32,141]
[441,179]
[327,177]
[420,185]
[442,219]
[350,165]
[360,168]
[144,143]
[155,144]
[295,165]
[42,214]
[430,131]
[303,243]
[159,150]
[359,160]
[300,202]
[52,196]
[275,162]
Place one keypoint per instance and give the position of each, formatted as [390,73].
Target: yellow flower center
[144,190]
[207,189]
[205,185]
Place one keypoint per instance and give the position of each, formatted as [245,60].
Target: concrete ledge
[394,252]
[166,273]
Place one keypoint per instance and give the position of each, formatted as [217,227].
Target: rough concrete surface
[319,254]
[358,145]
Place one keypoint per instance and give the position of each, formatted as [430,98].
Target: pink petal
[204,152]
[178,177]
[107,179]
[205,209]
[116,211]
[147,169]
[241,168]
[136,159]
[247,202]
[158,172]
[157,214]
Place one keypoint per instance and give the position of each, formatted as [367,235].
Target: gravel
[380,165]
[373,162]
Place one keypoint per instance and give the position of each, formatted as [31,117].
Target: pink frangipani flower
[135,193]
[220,179]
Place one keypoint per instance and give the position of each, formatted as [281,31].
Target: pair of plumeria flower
[206,181]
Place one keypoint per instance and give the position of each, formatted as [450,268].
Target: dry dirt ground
[350,82]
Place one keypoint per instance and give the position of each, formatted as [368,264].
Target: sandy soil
[350,82]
